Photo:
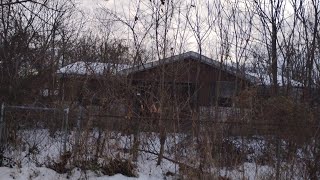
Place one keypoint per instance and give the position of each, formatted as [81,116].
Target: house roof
[91,68]
[264,79]
[188,55]
[98,68]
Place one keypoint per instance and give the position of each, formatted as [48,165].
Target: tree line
[279,39]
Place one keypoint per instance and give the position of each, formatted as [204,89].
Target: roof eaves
[153,64]
[190,54]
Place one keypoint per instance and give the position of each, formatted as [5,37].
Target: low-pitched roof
[188,55]
[91,68]
[98,68]
[264,79]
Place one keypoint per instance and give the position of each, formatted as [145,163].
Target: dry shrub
[285,110]
[6,162]
[189,172]
[118,166]
[287,116]
[246,98]
[228,154]
[87,164]
[61,165]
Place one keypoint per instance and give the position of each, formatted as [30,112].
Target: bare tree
[309,18]
[270,14]
[25,38]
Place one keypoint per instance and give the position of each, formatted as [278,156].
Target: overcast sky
[125,8]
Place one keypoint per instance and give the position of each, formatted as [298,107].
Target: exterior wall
[89,89]
[185,73]
[105,91]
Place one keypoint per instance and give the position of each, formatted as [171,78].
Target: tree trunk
[274,60]
[162,142]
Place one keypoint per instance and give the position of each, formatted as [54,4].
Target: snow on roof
[91,68]
[191,55]
[264,79]
[152,64]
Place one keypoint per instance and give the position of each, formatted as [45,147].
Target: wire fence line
[95,134]
[213,121]
[65,120]
[27,118]
[79,115]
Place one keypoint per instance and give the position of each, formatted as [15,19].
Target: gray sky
[212,43]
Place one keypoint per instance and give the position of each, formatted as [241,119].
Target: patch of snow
[50,148]
[91,68]
[264,79]
[40,173]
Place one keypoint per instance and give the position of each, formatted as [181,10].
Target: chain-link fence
[206,146]
[33,133]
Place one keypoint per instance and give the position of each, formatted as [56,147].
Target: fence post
[2,124]
[79,127]
[278,156]
[66,115]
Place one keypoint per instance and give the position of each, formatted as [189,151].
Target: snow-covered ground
[149,171]
[41,173]
[37,150]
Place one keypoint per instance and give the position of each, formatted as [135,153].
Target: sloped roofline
[90,68]
[187,55]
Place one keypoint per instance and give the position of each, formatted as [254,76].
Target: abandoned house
[87,81]
[190,79]
[180,85]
